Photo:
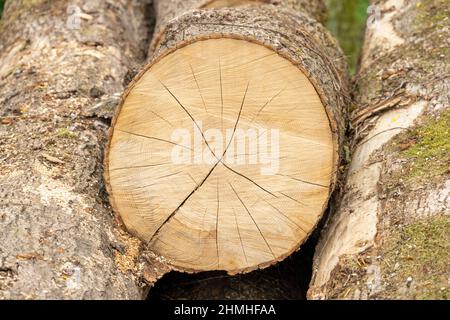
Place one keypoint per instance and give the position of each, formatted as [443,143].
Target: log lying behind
[256,76]
[57,239]
[168,10]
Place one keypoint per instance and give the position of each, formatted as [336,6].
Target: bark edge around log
[333,96]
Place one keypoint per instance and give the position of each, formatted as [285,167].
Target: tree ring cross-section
[222,155]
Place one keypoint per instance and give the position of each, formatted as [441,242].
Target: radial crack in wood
[228,146]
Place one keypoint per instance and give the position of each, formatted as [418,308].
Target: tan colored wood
[220,216]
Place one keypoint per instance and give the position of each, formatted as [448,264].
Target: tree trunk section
[389,237]
[62,67]
[222,75]
[169,10]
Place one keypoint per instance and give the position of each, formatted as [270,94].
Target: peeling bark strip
[389,238]
[58,59]
[259,75]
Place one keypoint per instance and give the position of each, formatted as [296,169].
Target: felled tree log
[389,237]
[174,170]
[169,10]
[61,63]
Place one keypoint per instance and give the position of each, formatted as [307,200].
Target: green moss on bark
[417,260]
[66,133]
[426,149]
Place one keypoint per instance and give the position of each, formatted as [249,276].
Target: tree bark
[169,10]
[62,68]
[389,237]
[212,55]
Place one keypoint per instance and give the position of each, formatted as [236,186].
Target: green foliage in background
[2,2]
[346,21]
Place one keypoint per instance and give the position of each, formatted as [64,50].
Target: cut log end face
[221,157]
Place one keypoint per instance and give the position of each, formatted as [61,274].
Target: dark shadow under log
[287,280]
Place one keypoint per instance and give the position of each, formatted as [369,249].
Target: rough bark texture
[168,10]
[389,237]
[62,69]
